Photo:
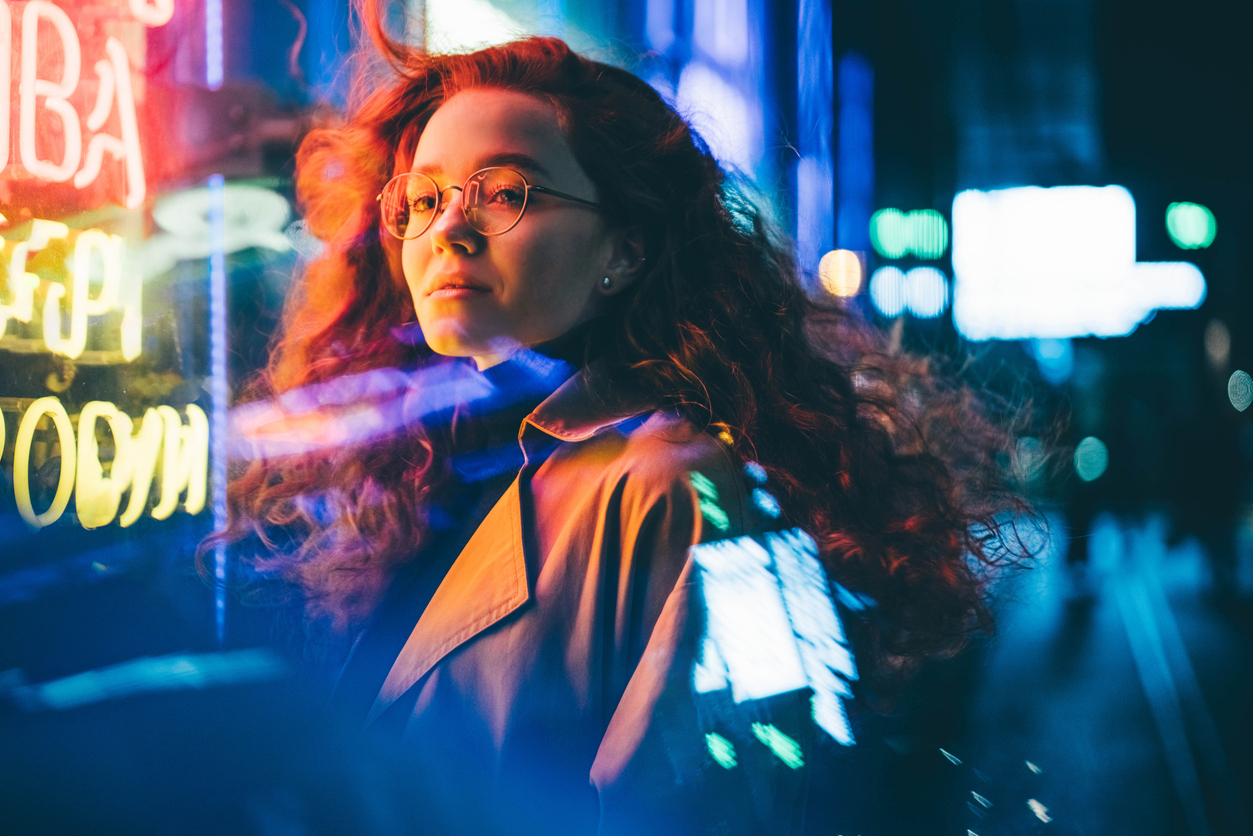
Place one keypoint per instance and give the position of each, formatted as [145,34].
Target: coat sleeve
[673,761]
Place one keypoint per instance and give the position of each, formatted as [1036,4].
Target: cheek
[414,256]
[557,269]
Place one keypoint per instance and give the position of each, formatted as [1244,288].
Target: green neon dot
[1191,225]
[895,234]
[930,233]
[788,750]
[722,750]
[889,233]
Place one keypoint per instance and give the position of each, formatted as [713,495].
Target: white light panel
[1037,263]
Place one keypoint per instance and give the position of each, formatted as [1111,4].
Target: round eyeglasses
[492,200]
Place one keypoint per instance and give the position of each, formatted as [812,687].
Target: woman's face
[483,296]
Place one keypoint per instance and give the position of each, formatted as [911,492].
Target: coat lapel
[485,583]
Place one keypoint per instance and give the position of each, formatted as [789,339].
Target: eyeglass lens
[492,200]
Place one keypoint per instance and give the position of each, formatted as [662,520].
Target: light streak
[787,749]
[213,70]
[722,750]
[217,376]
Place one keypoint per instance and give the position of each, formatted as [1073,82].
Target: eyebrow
[512,159]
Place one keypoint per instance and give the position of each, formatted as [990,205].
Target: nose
[451,230]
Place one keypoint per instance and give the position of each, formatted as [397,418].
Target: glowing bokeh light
[1217,343]
[721,114]
[1190,225]
[923,291]
[720,30]
[1029,460]
[214,69]
[1055,359]
[1091,458]
[895,234]
[721,749]
[787,749]
[772,628]
[1031,262]
[926,292]
[854,161]
[839,271]
[1240,390]
[887,291]
[467,25]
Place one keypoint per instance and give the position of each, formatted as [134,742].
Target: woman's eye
[506,196]
[422,203]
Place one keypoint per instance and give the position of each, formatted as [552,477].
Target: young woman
[512,567]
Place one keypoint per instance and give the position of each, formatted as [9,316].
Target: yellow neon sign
[92,246]
[163,447]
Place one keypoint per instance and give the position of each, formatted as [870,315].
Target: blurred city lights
[854,152]
[721,114]
[1055,358]
[887,291]
[788,750]
[177,672]
[926,292]
[923,291]
[467,25]
[214,71]
[659,24]
[1032,262]
[839,271]
[772,627]
[1217,343]
[895,234]
[1029,461]
[1190,225]
[721,749]
[1240,390]
[1091,458]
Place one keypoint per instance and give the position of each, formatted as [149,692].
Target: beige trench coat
[547,686]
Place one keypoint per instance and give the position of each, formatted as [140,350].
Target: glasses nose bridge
[444,200]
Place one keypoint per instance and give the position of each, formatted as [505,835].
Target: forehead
[475,126]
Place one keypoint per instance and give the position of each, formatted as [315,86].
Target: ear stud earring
[606,283]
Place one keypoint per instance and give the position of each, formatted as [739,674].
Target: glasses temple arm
[555,193]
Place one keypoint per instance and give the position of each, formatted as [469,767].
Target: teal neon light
[1191,225]
[896,234]
[788,750]
[721,749]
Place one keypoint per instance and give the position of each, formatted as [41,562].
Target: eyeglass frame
[527,185]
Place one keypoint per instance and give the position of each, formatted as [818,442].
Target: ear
[626,261]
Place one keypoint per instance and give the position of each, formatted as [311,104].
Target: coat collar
[488,580]
[585,405]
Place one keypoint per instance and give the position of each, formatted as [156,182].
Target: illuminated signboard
[81,396]
[1037,263]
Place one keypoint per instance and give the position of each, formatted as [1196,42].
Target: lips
[456,285]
